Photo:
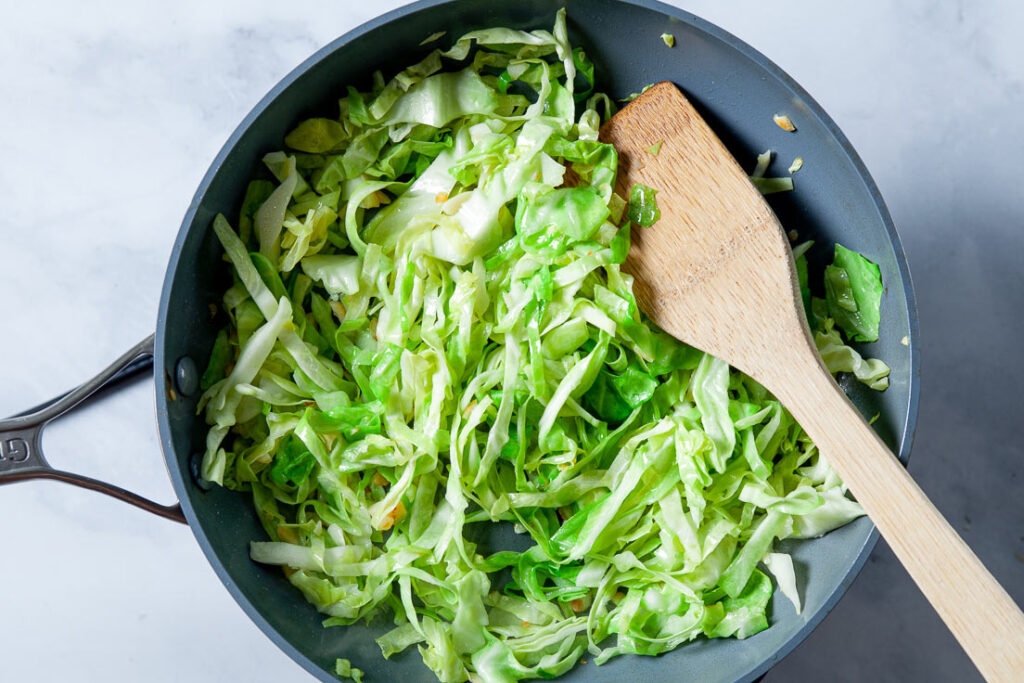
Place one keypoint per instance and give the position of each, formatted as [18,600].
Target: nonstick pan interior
[738,91]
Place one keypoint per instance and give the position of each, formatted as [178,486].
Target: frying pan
[735,88]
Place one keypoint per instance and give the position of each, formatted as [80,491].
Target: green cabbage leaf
[428,332]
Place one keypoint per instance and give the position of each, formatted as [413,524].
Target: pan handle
[21,452]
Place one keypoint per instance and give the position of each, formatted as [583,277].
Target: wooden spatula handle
[978,611]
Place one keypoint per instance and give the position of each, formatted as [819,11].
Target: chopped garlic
[797,164]
[396,515]
[374,200]
[784,122]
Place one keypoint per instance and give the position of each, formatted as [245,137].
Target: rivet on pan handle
[21,452]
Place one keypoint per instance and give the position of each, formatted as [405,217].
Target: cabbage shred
[427,329]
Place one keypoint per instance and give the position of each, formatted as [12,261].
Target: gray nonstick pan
[735,88]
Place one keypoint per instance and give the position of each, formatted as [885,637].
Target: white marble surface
[109,118]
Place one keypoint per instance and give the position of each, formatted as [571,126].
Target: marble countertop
[111,117]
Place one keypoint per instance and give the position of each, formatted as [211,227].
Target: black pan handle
[21,445]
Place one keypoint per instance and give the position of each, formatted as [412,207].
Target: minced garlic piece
[396,515]
[784,122]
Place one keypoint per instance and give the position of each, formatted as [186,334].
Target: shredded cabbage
[427,331]
[768,185]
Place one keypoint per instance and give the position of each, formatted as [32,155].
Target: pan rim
[178,472]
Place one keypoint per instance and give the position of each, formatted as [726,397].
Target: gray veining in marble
[110,116]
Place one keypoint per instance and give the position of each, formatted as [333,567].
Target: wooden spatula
[716,271]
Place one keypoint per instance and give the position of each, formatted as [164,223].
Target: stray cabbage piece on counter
[426,331]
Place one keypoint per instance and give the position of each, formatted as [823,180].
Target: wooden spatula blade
[712,217]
